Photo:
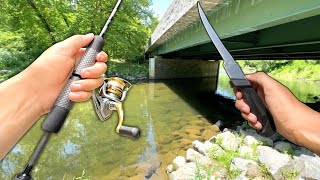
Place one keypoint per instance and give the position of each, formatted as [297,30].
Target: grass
[264,170]
[290,175]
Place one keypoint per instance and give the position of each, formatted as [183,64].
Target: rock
[277,137]
[248,168]
[273,160]
[217,151]
[219,124]
[221,174]
[283,146]
[250,141]
[193,131]
[186,172]
[312,166]
[206,161]
[193,156]
[178,162]
[264,140]
[208,146]
[241,177]
[199,146]
[229,141]
[294,166]
[303,151]
[207,134]
[194,137]
[169,169]
[245,151]
[185,142]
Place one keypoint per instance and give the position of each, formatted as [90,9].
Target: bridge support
[162,68]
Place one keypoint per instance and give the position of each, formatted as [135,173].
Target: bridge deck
[251,29]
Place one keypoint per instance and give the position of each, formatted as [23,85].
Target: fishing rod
[59,112]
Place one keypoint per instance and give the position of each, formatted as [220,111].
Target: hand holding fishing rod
[59,112]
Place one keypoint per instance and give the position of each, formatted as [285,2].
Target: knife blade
[239,80]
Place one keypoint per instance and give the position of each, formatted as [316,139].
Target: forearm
[307,133]
[19,110]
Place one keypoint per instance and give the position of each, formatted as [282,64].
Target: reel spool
[109,98]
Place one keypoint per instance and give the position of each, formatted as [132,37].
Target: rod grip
[63,104]
[131,132]
[257,107]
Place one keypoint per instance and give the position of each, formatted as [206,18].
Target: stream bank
[243,154]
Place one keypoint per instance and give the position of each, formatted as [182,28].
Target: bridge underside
[250,29]
[295,40]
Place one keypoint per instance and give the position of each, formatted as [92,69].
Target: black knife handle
[257,107]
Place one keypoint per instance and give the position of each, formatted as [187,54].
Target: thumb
[72,45]
[257,79]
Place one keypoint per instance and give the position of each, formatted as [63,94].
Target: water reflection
[170,114]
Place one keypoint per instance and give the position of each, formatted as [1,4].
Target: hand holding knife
[239,80]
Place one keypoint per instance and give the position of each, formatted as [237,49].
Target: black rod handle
[63,104]
[257,107]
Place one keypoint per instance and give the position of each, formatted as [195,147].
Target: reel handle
[131,132]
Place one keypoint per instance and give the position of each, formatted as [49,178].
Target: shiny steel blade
[232,68]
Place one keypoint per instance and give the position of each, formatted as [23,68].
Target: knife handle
[257,107]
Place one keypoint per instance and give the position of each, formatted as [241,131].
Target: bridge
[250,29]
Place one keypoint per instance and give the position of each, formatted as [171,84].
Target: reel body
[108,98]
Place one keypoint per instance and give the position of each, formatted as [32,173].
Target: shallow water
[170,114]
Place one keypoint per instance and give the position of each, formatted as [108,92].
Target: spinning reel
[109,98]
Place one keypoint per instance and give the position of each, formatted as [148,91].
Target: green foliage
[265,173]
[299,69]
[29,27]
[290,175]
[267,65]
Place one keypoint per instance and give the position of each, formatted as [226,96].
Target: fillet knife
[238,79]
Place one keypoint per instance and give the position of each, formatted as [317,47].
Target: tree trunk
[43,20]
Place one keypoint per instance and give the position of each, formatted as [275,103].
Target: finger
[79,54]
[71,45]
[250,117]
[80,96]
[257,125]
[86,85]
[102,57]
[94,71]
[242,106]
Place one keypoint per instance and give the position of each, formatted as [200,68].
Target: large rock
[193,156]
[245,151]
[208,147]
[264,140]
[248,168]
[186,172]
[274,160]
[283,146]
[312,167]
[178,162]
[199,146]
[228,141]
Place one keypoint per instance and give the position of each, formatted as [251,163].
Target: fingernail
[76,86]
[90,34]
[250,117]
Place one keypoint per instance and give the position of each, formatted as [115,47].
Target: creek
[171,114]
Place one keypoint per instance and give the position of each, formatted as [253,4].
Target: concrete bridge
[250,29]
